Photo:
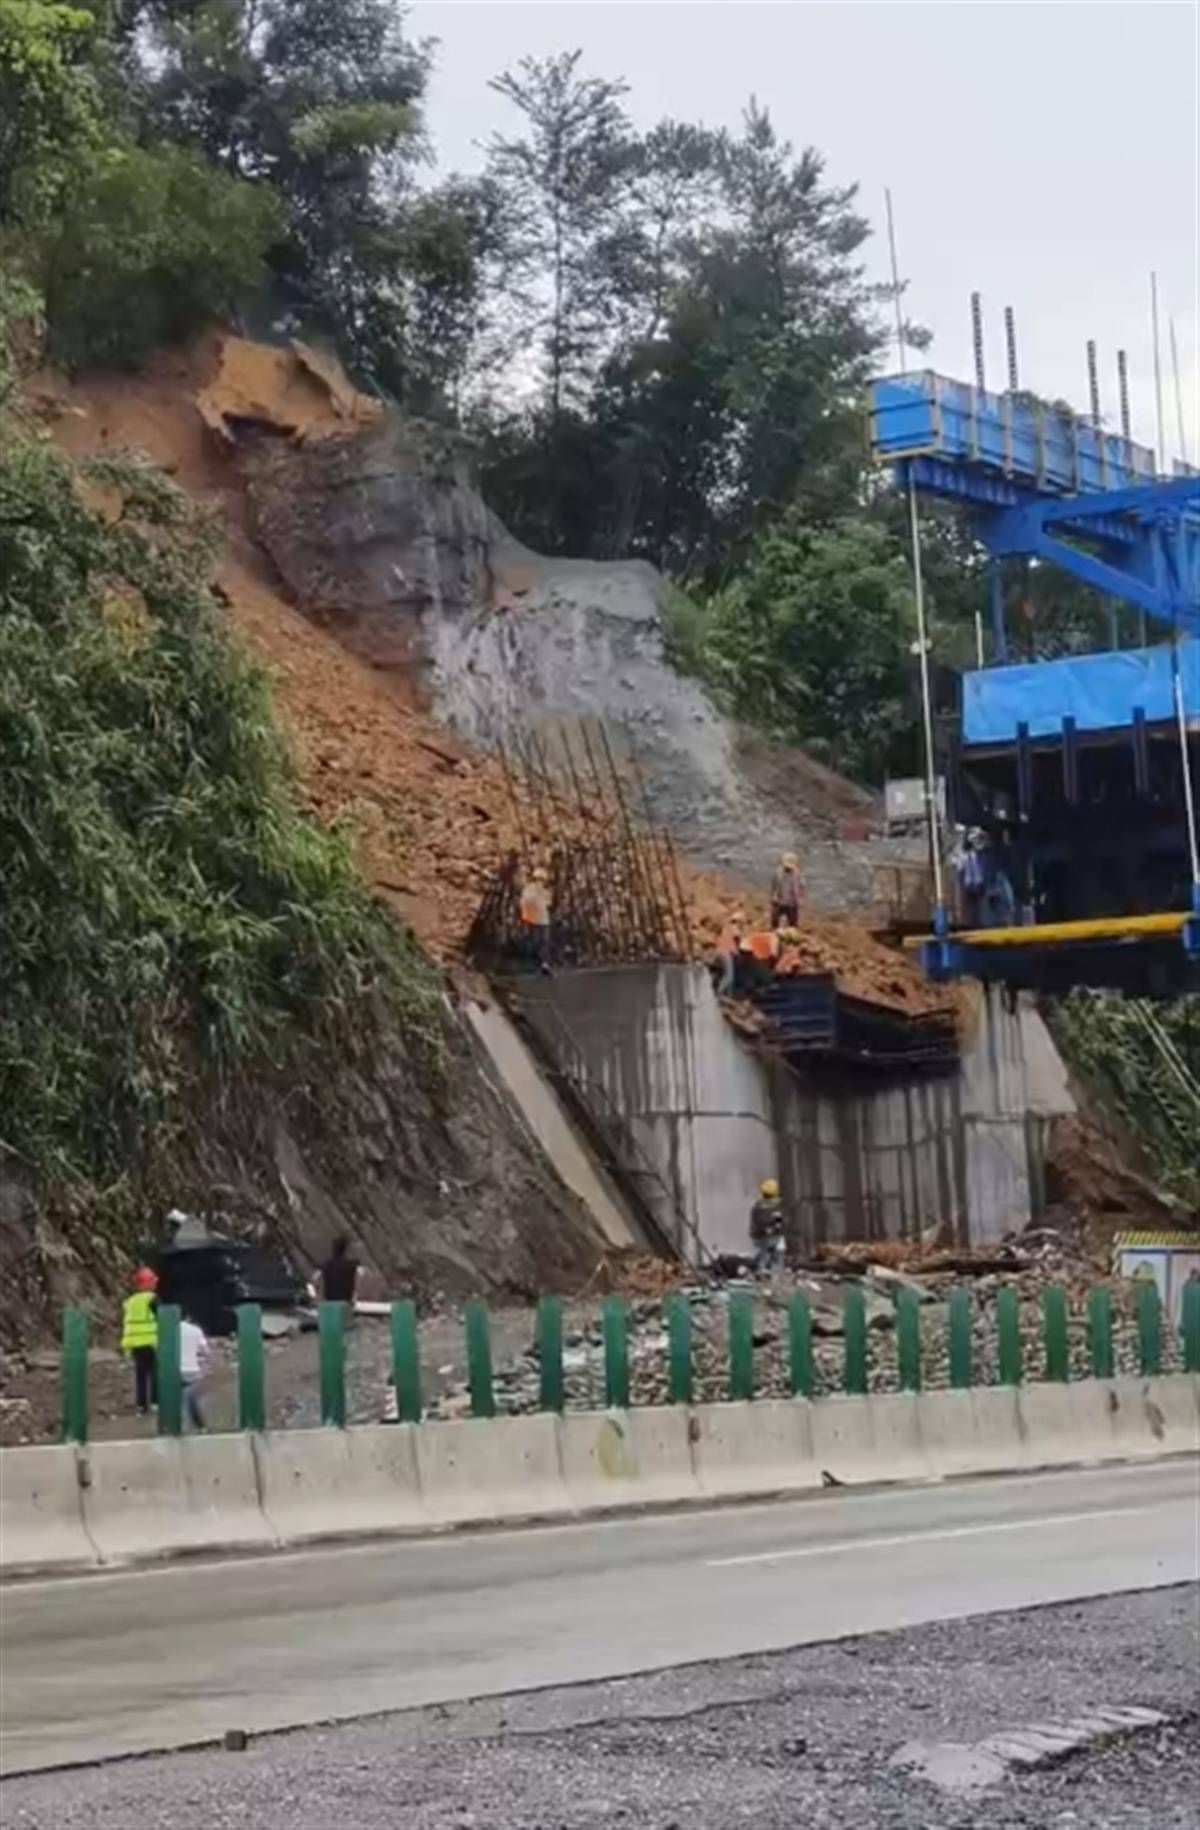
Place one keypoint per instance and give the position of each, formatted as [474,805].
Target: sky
[1044,155]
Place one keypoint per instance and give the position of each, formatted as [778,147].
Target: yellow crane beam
[1063,933]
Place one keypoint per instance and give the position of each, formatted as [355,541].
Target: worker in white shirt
[193,1359]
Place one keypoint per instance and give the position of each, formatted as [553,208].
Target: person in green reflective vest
[139,1336]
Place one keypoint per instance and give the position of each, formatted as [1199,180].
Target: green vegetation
[171,922]
[808,640]
[660,338]
[1143,1060]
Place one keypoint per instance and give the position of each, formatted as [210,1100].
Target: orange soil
[433,817]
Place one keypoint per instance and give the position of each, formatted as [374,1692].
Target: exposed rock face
[383,532]
[374,529]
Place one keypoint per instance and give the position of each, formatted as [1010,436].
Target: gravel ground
[29,1400]
[775,1741]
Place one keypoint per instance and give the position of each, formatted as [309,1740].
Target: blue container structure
[1071,771]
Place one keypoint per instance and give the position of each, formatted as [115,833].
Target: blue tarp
[1099,691]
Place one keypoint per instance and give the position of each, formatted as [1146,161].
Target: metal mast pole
[940,921]
[1183,443]
[1158,393]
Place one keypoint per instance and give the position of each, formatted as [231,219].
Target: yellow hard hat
[539,875]
[769,1189]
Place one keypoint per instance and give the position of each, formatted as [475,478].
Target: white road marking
[927,1537]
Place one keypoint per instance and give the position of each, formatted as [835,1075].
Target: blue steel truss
[1033,479]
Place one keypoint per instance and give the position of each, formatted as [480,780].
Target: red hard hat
[144,1278]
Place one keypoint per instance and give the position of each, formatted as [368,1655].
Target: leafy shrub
[170,918]
[150,246]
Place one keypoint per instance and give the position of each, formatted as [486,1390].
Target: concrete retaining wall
[857,1156]
[130,1502]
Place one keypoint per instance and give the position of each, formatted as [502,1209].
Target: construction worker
[139,1336]
[726,954]
[535,917]
[787,892]
[766,1228]
[193,1364]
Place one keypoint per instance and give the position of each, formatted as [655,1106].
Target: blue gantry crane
[1077,771]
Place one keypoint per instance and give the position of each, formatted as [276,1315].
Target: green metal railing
[1014,1357]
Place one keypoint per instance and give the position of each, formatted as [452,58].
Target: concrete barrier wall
[128,1502]
[168,1496]
[41,1512]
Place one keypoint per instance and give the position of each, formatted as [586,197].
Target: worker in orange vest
[535,916]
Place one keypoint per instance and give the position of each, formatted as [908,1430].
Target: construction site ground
[30,1397]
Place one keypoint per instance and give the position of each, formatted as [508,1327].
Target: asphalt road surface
[97,1666]
[810,1737]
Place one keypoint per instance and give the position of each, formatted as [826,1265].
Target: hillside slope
[357,671]
[202,1005]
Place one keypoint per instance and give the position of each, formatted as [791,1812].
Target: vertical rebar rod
[668,914]
[631,852]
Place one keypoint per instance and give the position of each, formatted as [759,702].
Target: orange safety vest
[764,946]
[535,905]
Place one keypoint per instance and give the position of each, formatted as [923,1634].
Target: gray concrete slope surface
[121,1664]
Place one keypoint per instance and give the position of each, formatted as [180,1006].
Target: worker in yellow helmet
[139,1336]
[766,1228]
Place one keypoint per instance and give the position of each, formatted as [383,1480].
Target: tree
[706,332]
[762,360]
[150,246]
[811,640]
[563,187]
[317,101]
[49,106]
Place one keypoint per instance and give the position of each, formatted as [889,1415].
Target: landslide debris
[433,814]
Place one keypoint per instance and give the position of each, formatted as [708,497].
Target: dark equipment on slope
[208,1275]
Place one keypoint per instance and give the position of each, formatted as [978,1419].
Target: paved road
[774,1740]
[105,1665]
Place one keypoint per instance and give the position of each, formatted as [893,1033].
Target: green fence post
[406,1361]
[958,1324]
[252,1389]
[1008,1337]
[166,1371]
[74,1376]
[741,1346]
[331,1346]
[679,1336]
[854,1324]
[1054,1334]
[1149,1321]
[479,1360]
[616,1354]
[1100,1332]
[908,1340]
[550,1353]
[800,1354]
[1190,1327]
